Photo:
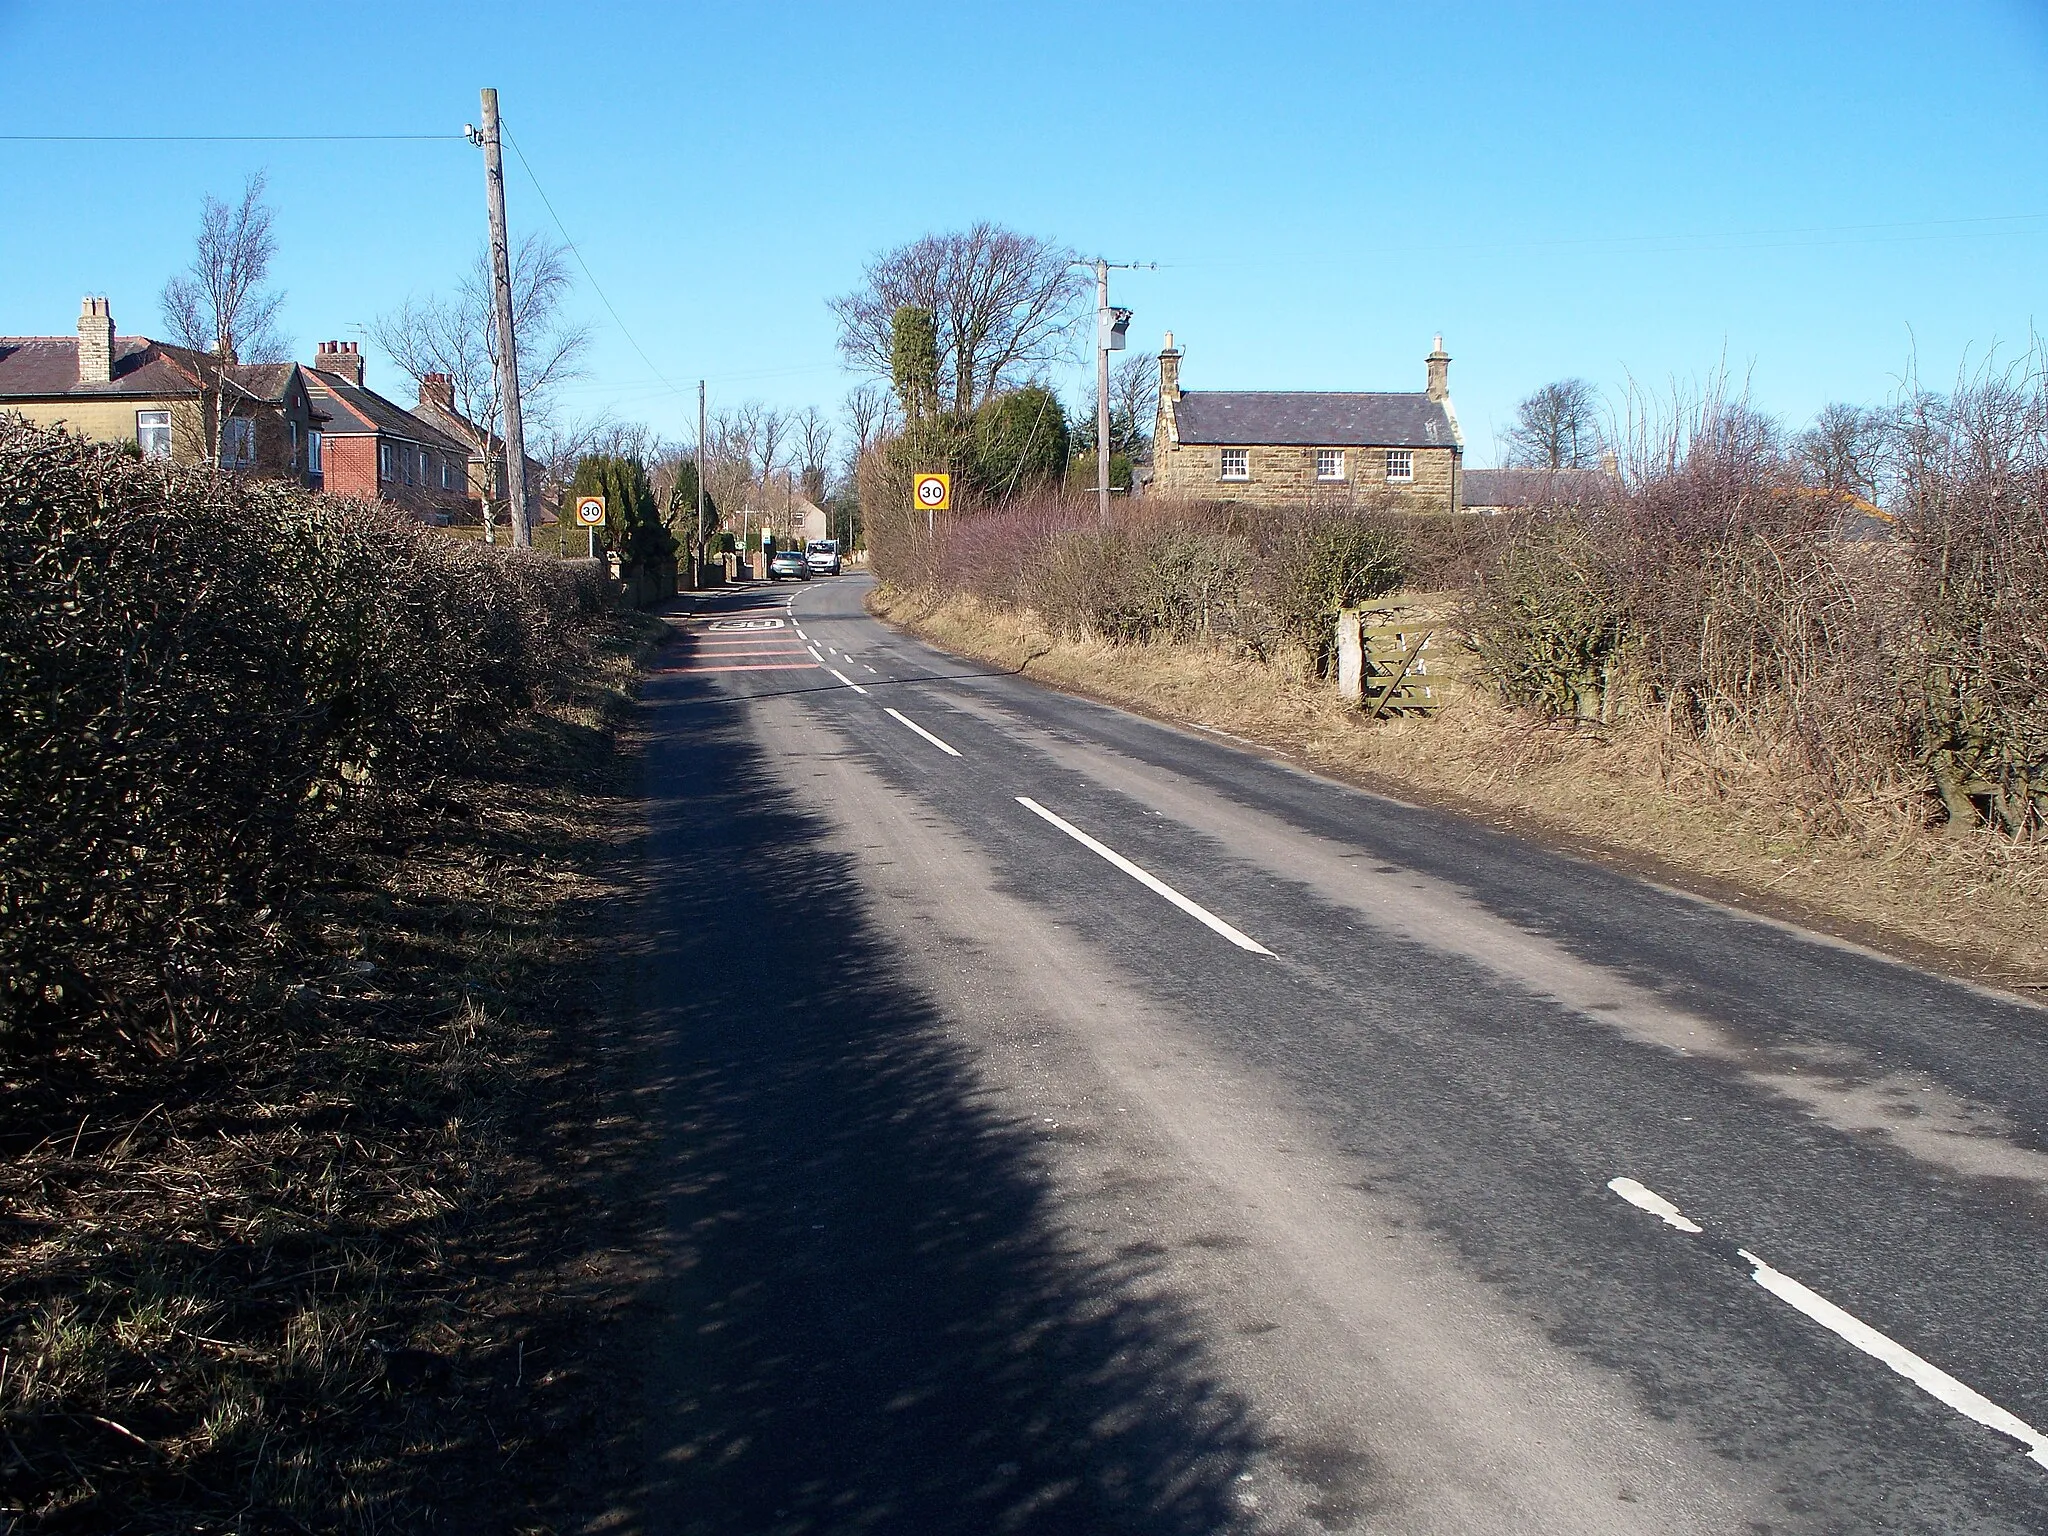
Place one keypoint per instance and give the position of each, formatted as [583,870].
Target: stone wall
[1286,475]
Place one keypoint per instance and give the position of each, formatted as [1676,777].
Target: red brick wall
[351,464]
[352,471]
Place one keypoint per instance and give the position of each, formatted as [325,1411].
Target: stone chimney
[1439,372]
[438,389]
[1169,370]
[95,342]
[340,357]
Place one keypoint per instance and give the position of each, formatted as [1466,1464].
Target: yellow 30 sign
[590,511]
[934,492]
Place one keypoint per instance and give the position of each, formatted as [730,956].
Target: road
[1078,1124]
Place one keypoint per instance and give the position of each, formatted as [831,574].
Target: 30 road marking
[856,687]
[927,735]
[1151,882]
[1929,1378]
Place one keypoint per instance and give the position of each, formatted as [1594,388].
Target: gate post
[1350,657]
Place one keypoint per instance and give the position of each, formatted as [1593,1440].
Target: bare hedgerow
[205,683]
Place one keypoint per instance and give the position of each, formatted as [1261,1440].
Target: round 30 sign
[935,492]
[590,511]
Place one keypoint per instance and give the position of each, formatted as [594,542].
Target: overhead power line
[578,254]
[222,138]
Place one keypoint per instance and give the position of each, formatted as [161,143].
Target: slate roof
[36,367]
[356,411]
[1313,419]
[1537,487]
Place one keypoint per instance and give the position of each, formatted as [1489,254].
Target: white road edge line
[927,735]
[856,687]
[1151,882]
[814,651]
[1929,1378]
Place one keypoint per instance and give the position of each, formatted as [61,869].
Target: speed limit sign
[590,511]
[935,492]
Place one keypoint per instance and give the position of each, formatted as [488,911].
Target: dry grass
[295,1280]
[1634,794]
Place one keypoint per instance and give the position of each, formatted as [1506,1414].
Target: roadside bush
[206,686]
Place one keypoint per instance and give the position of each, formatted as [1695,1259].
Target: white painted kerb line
[856,687]
[1929,1378]
[927,735]
[1151,882]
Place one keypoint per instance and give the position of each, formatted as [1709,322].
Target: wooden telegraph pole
[508,347]
[1102,389]
[698,574]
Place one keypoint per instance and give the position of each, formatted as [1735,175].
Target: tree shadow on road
[867,1318]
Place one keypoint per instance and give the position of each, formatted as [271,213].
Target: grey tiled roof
[357,411]
[1537,487]
[40,366]
[1313,419]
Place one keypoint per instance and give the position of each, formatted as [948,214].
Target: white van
[824,556]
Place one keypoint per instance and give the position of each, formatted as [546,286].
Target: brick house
[170,401]
[486,471]
[1272,447]
[371,447]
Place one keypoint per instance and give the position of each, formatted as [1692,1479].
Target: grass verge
[1634,796]
[333,1270]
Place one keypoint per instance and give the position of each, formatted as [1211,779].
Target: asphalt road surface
[1077,1124]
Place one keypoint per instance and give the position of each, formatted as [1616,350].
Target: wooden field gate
[1385,668]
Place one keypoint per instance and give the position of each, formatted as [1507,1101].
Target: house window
[387,461]
[295,444]
[447,474]
[1237,464]
[425,461]
[153,433]
[313,465]
[1400,464]
[1329,463]
[237,441]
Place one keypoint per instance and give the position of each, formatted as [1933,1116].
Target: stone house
[370,446]
[171,402]
[1271,447]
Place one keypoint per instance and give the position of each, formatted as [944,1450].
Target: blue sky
[1819,193]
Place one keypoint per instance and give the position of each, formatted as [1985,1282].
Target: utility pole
[1110,326]
[508,349]
[1101,390]
[697,575]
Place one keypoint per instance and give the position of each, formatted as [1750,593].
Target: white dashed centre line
[1150,881]
[856,687]
[927,735]
[1929,1378]
[814,651]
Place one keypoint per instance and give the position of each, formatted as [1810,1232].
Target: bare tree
[219,305]
[456,337]
[813,441]
[1843,450]
[871,415]
[1006,305]
[1133,408]
[1558,427]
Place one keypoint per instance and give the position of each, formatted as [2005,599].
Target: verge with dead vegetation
[1631,792]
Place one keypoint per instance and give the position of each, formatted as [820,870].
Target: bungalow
[372,447]
[170,402]
[1270,448]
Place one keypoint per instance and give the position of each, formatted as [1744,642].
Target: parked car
[824,556]
[790,562]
